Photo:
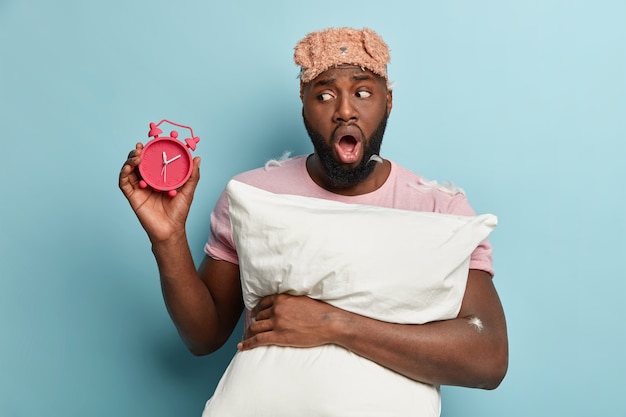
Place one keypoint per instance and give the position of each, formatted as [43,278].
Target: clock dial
[166,164]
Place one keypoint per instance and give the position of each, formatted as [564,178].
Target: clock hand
[164,170]
[173,159]
[165,162]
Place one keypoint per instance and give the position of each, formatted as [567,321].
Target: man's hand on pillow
[287,320]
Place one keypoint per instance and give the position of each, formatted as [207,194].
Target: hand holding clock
[160,215]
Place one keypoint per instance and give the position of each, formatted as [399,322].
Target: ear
[389,101]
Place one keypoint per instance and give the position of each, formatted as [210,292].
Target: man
[346,102]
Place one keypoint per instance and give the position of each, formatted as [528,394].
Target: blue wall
[522,104]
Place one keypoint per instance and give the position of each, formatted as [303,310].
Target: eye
[324,96]
[363,94]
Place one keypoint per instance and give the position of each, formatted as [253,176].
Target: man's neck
[372,183]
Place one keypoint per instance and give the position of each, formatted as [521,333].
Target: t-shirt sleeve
[482,257]
[220,244]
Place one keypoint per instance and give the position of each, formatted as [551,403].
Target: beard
[338,174]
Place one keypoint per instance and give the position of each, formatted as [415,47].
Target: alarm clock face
[166,164]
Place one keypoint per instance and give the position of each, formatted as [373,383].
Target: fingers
[258,333]
[132,161]
[260,326]
[134,157]
[265,303]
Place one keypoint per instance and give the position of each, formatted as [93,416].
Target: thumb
[192,182]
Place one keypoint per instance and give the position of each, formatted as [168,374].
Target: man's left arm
[470,350]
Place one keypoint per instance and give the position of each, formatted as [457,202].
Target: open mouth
[348,149]
[348,144]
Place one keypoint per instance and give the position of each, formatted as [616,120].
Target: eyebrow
[356,77]
[362,77]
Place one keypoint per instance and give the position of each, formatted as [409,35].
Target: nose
[345,111]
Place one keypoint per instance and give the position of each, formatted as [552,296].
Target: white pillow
[393,265]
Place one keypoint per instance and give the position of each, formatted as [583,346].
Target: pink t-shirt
[403,190]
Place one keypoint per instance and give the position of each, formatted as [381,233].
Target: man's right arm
[204,304]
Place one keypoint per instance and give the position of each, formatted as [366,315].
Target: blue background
[521,103]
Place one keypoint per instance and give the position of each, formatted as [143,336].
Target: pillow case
[388,264]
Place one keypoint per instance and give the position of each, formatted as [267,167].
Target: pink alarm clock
[166,161]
